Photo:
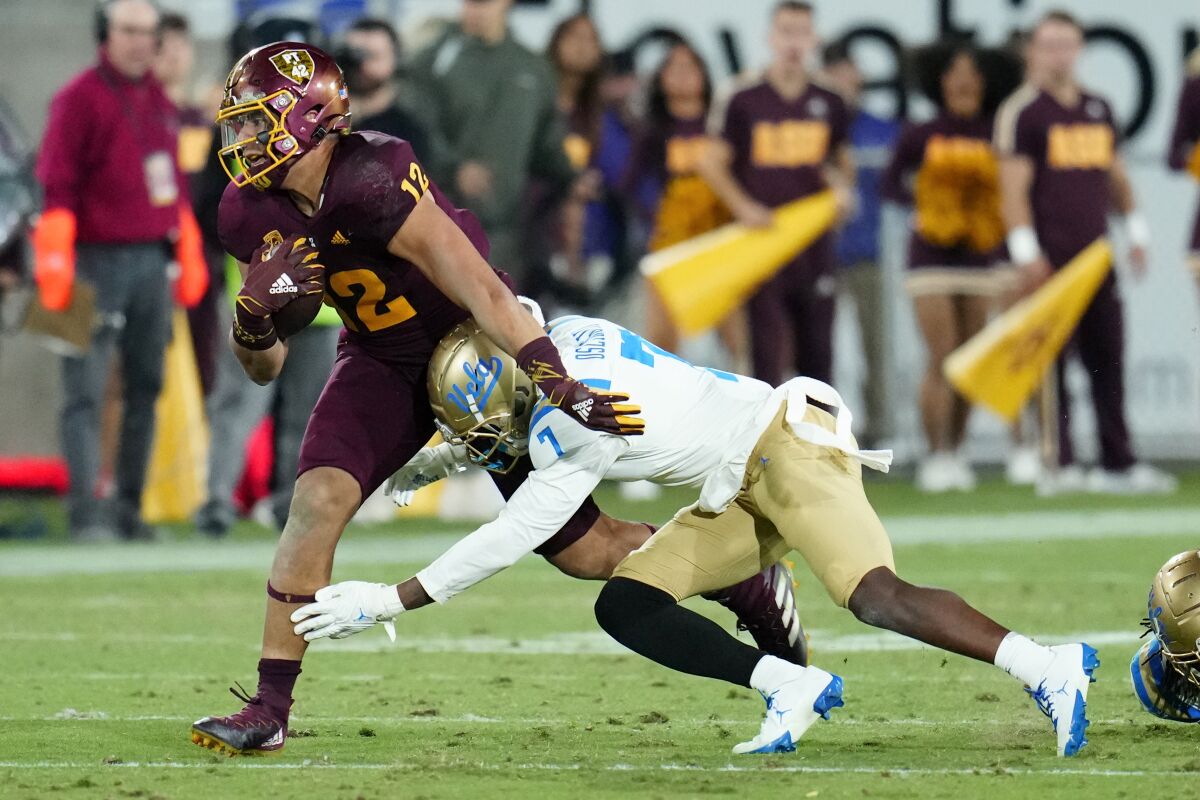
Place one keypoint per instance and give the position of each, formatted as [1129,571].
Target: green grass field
[108,653]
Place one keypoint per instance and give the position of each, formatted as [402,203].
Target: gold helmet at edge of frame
[1173,610]
[480,398]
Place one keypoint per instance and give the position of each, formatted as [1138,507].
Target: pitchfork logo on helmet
[480,398]
[281,100]
[296,65]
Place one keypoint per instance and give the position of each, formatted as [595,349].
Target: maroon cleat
[765,606]
[255,730]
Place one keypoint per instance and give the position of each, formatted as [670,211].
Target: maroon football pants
[791,318]
[1099,341]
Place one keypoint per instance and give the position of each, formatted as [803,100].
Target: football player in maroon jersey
[314,208]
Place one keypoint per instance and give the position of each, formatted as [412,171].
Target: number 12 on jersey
[416,183]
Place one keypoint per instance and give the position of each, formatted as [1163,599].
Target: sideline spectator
[871,141]
[667,154]
[945,168]
[370,58]
[784,138]
[592,243]
[113,204]
[495,123]
[1060,173]
[175,69]
[1184,150]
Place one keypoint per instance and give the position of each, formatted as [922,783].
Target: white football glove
[429,465]
[347,608]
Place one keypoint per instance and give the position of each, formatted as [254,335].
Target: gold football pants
[794,496]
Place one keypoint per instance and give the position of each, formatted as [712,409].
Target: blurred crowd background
[581,134]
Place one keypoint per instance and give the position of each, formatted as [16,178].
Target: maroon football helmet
[281,100]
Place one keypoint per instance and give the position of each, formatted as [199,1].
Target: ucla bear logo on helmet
[481,381]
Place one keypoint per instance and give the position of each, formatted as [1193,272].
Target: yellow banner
[175,480]
[1003,364]
[703,280]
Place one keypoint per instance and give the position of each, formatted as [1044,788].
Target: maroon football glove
[277,275]
[600,411]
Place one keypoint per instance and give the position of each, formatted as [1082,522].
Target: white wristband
[1137,229]
[1023,247]
[392,606]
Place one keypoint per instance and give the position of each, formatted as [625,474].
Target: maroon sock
[276,677]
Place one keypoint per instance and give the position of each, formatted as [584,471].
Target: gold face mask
[255,141]
[480,398]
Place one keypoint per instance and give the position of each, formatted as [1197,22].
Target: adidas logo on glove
[583,408]
[284,285]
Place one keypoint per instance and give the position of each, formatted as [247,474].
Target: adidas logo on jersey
[284,285]
[583,408]
[339,238]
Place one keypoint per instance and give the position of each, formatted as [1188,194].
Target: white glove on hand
[429,465]
[347,608]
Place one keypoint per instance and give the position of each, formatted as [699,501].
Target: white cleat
[1138,479]
[936,474]
[792,709]
[963,474]
[1070,479]
[1023,467]
[1061,694]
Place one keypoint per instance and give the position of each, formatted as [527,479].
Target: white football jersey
[693,415]
[701,425]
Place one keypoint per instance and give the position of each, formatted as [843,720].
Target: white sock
[1023,658]
[770,672]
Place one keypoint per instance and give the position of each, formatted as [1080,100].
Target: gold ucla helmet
[1174,613]
[480,398]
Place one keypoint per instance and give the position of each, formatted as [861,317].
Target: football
[296,315]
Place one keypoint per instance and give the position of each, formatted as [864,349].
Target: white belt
[798,392]
[723,484]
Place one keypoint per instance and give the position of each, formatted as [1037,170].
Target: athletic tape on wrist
[1023,245]
[1137,229]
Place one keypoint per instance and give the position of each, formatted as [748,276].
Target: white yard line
[598,643]
[628,721]
[197,556]
[692,768]
[582,643]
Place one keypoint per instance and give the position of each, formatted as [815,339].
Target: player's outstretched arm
[535,512]
[443,253]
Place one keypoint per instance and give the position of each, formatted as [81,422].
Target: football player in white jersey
[778,470]
[1166,670]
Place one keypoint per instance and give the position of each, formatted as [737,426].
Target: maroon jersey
[390,310]
[1073,149]
[948,134]
[1184,152]
[780,146]
[669,153]
[686,206]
